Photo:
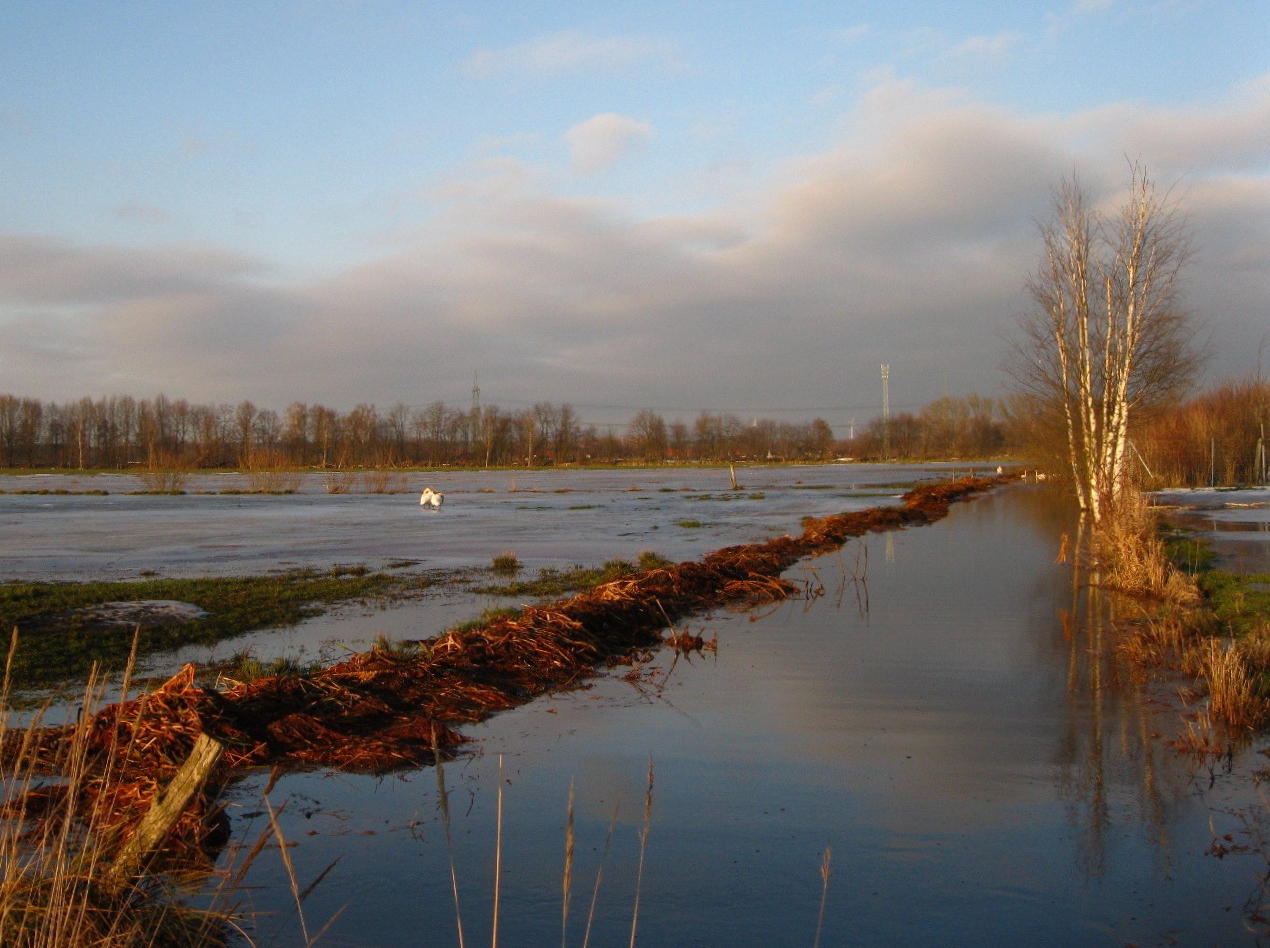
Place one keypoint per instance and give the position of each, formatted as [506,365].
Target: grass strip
[552,581]
[59,640]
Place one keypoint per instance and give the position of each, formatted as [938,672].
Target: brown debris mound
[383,710]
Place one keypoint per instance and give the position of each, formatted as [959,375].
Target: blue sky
[705,206]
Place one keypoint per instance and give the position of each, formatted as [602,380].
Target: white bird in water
[430,497]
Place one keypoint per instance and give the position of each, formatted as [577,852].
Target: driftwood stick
[165,811]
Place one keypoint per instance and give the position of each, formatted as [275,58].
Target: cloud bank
[596,144]
[573,52]
[907,241]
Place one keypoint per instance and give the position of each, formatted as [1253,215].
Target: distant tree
[245,422]
[647,435]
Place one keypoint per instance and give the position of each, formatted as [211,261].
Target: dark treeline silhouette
[119,431]
[949,428]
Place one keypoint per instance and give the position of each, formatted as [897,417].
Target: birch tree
[1106,335]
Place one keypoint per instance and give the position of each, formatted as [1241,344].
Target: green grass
[552,582]
[1187,552]
[485,618]
[59,492]
[688,524]
[245,667]
[506,563]
[1240,602]
[56,643]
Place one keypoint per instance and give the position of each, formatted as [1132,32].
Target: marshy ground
[938,704]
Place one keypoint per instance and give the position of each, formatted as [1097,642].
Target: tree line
[121,431]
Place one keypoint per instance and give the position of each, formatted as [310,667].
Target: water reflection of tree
[1115,768]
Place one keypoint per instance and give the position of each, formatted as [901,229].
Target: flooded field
[547,517]
[1236,521]
[939,711]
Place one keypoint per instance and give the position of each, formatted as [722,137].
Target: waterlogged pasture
[1236,521]
[550,518]
[939,710]
[953,732]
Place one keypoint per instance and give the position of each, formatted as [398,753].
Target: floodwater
[549,518]
[939,712]
[1237,522]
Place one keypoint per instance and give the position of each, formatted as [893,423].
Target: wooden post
[165,811]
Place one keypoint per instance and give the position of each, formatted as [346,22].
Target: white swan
[430,497]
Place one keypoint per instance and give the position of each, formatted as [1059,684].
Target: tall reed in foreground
[498,855]
[443,798]
[599,874]
[56,885]
[825,873]
[643,845]
[566,882]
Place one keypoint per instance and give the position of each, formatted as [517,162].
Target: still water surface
[945,718]
[952,729]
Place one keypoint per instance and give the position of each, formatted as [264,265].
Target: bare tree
[1106,335]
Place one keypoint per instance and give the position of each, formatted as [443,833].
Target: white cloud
[907,242]
[42,270]
[993,46]
[572,52]
[596,144]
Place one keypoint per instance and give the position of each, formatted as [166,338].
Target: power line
[740,412]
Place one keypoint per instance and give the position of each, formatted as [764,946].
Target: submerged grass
[506,563]
[557,582]
[61,639]
[1203,622]
[243,667]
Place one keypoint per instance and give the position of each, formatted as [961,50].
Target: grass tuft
[556,582]
[506,563]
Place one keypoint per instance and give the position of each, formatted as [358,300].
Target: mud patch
[147,613]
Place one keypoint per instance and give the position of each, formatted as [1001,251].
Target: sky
[684,207]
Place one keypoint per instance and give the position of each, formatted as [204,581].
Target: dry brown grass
[269,472]
[165,474]
[1129,547]
[1200,738]
[1179,630]
[1232,692]
[56,889]
[377,481]
[384,481]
